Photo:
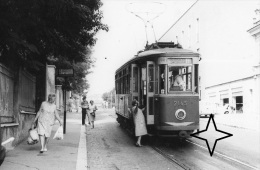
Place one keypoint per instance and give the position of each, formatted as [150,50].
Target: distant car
[226,109]
[207,108]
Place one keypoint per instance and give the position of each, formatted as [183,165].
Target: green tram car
[164,79]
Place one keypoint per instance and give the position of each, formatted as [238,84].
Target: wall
[18,96]
[6,94]
[243,87]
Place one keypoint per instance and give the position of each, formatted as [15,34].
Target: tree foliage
[109,96]
[35,32]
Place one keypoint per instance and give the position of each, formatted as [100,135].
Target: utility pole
[65,73]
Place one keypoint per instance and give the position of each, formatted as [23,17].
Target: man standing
[84,106]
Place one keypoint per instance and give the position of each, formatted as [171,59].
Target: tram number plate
[180,103]
[179,61]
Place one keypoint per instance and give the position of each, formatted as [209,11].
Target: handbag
[59,134]
[93,114]
[33,137]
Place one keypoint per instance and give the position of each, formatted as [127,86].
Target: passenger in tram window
[162,83]
[139,122]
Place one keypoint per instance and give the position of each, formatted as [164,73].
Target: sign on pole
[65,72]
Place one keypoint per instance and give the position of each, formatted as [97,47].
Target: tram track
[175,161]
[171,159]
[225,156]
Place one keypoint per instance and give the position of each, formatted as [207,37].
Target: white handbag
[34,135]
[59,134]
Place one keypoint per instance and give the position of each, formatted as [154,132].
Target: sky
[127,35]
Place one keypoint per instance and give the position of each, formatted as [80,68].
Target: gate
[6,94]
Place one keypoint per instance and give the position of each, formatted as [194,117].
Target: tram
[164,78]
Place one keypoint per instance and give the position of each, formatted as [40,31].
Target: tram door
[134,82]
[150,89]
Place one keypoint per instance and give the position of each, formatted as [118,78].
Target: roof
[164,52]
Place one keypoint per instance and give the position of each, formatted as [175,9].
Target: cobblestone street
[109,147]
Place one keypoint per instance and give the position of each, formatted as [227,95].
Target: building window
[239,104]
[225,101]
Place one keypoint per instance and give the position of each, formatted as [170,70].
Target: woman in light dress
[139,121]
[46,119]
[92,113]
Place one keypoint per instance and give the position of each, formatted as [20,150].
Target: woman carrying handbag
[46,119]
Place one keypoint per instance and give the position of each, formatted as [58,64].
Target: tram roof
[163,52]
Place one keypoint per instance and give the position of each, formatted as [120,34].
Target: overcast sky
[127,35]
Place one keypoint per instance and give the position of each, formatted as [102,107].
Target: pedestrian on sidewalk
[70,104]
[139,122]
[46,119]
[77,104]
[84,106]
[92,113]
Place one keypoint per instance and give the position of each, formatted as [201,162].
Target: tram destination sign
[179,60]
[65,72]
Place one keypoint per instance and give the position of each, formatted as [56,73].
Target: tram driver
[178,81]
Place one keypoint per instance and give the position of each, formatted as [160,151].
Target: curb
[82,150]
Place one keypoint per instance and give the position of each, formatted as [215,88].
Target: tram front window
[179,78]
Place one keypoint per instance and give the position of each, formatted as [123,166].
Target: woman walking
[92,113]
[84,106]
[139,121]
[46,119]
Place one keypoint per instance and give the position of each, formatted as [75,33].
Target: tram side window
[151,77]
[135,79]
[128,83]
[120,83]
[161,79]
[179,78]
[124,84]
[122,88]
[196,79]
[116,85]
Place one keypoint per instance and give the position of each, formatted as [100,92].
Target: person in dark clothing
[84,106]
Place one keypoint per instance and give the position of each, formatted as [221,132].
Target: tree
[109,96]
[33,33]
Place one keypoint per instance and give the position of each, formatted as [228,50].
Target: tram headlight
[180,114]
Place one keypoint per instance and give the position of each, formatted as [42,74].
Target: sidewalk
[66,154]
[244,121]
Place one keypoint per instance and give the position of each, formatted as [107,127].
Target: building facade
[226,34]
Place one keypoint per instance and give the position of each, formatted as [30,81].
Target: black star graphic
[211,151]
